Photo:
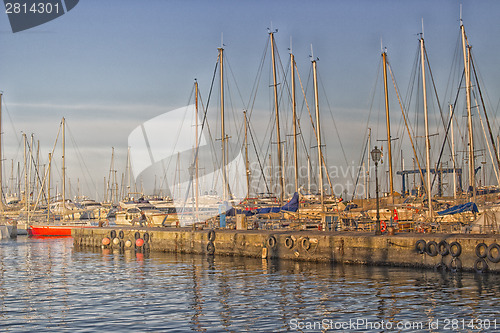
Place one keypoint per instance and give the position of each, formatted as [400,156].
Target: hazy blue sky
[110,65]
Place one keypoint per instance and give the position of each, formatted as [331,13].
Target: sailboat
[65,207]
[7,230]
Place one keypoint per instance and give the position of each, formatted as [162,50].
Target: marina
[57,287]
[175,167]
[428,225]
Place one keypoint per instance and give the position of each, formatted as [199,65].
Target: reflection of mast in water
[197,304]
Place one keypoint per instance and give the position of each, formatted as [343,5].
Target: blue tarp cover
[470,206]
[290,206]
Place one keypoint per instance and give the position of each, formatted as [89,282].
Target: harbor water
[47,285]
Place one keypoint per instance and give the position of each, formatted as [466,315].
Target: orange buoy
[139,242]
[106,241]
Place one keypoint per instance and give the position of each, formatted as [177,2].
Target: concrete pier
[453,252]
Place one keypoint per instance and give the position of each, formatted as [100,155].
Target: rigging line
[435,93]
[19,141]
[487,121]
[448,127]
[269,130]
[490,105]
[359,171]
[253,98]
[256,83]
[407,127]
[487,144]
[312,123]
[304,144]
[449,83]
[53,149]
[234,78]
[37,174]
[365,137]
[210,136]
[81,160]
[411,83]
[173,155]
[202,127]
[304,102]
[323,159]
[334,123]
[258,158]
[304,93]
[10,119]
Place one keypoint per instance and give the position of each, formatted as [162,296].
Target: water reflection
[47,285]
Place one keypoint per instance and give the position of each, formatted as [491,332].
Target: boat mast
[1,184]
[453,154]
[11,185]
[465,49]
[294,112]
[19,179]
[63,168]
[318,136]
[37,165]
[247,169]
[26,196]
[222,125]
[426,121]
[111,176]
[197,144]
[48,187]
[389,150]
[368,162]
[278,136]
[308,174]
[30,162]
[128,172]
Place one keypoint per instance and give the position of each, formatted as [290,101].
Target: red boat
[52,230]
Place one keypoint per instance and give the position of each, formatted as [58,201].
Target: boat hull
[51,230]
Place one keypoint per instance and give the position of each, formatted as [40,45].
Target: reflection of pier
[439,173]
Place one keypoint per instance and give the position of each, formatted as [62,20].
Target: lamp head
[376,155]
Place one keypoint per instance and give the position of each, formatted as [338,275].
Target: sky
[108,66]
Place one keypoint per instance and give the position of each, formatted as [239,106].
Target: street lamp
[376,156]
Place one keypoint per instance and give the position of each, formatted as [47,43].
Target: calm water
[47,285]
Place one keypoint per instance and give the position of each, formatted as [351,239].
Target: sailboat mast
[246,155]
[48,187]
[465,49]
[276,110]
[318,136]
[294,112]
[426,120]
[30,158]
[368,162]
[197,144]
[63,167]
[1,184]
[128,172]
[389,150]
[222,125]
[26,196]
[308,174]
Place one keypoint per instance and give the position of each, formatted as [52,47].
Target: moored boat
[53,230]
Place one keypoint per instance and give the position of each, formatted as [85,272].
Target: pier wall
[407,250]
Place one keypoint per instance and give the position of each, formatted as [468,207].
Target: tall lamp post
[376,156]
